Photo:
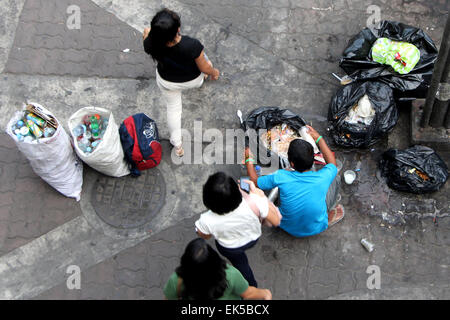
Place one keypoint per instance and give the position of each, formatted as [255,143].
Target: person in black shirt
[181,64]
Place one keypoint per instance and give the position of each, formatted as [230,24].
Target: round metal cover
[129,202]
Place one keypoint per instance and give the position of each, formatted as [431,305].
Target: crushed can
[368,245]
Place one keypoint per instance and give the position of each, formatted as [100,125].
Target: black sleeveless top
[178,64]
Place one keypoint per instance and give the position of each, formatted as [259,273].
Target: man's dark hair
[301,154]
[221,193]
[202,271]
[164,28]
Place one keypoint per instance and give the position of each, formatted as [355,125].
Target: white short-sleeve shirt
[236,228]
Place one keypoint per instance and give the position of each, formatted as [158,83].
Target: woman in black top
[182,64]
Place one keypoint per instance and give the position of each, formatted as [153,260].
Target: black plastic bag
[267,118]
[417,169]
[358,134]
[358,64]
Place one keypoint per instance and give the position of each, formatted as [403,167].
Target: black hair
[202,271]
[164,28]
[301,154]
[221,193]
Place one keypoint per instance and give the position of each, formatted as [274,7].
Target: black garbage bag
[267,118]
[359,134]
[418,169]
[358,64]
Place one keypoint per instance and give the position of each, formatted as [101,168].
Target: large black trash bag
[267,118]
[400,167]
[358,64]
[359,134]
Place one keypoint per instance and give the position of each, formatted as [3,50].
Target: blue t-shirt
[302,198]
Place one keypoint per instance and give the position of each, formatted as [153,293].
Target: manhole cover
[129,202]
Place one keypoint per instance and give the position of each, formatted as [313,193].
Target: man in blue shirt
[305,195]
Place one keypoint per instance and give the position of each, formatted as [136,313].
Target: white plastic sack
[108,156]
[52,158]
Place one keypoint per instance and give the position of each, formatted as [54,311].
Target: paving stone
[41,34]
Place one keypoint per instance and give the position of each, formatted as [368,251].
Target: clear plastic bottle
[49,131]
[85,145]
[78,130]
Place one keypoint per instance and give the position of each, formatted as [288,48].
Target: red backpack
[140,143]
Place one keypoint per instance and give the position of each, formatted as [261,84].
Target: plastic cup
[338,164]
[349,176]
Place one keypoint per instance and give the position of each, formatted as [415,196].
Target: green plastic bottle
[94,127]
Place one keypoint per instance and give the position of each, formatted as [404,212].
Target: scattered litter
[368,245]
[322,9]
[349,176]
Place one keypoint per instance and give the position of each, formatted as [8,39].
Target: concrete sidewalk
[271,53]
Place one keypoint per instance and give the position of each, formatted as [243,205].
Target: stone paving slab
[44,45]
[25,213]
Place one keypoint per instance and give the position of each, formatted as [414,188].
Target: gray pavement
[270,53]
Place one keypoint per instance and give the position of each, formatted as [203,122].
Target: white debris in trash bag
[362,112]
[278,139]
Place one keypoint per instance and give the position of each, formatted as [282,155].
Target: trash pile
[90,132]
[282,127]
[33,125]
[417,169]
[361,113]
[394,53]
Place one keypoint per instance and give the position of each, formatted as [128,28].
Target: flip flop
[332,223]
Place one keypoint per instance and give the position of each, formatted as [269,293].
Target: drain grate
[129,202]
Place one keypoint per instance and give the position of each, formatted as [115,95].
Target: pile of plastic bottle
[31,128]
[90,132]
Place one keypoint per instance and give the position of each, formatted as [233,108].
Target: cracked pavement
[271,53]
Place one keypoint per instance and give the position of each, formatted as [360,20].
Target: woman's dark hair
[202,271]
[301,154]
[221,193]
[164,28]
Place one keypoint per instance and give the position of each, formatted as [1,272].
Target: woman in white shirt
[234,219]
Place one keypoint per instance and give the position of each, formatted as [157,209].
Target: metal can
[368,245]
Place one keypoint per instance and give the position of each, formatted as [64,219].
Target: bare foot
[335,215]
